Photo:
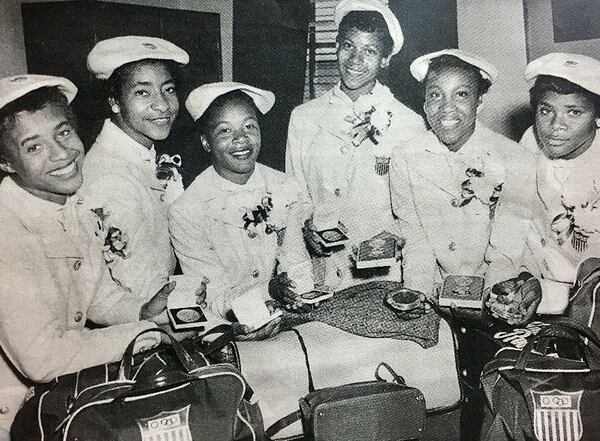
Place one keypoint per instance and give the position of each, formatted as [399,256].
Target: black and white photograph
[299,220]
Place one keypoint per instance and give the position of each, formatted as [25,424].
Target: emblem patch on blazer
[382,165]
[557,415]
[166,426]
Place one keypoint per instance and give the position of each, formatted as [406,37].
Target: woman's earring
[114,108]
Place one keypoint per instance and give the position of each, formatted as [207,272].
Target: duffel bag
[584,302]
[535,394]
[154,372]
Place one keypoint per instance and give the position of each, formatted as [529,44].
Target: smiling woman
[39,145]
[239,223]
[447,183]
[120,171]
[340,144]
[230,117]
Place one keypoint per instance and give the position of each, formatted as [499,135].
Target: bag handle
[184,357]
[397,378]
[311,384]
[227,336]
[573,330]
[291,418]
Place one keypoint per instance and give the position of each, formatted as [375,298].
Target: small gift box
[251,310]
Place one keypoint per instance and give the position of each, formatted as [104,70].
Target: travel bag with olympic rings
[548,391]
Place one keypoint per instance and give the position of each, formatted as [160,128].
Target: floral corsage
[481,187]
[114,241]
[369,121]
[167,171]
[580,219]
[263,214]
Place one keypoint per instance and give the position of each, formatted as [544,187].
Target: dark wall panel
[59,35]
[428,26]
[269,51]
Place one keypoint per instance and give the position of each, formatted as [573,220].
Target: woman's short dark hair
[549,83]
[367,21]
[235,96]
[446,60]
[113,86]
[32,102]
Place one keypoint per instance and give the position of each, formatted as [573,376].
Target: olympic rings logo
[555,401]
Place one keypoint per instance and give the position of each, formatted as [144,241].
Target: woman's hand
[514,301]
[281,289]
[312,240]
[244,333]
[155,310]
[201,293]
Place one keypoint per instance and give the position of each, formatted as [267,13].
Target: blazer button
[452,246]
[77,265]
[78,316]
[543,242]
[255,274]
[339,273]
[4,410]
[337,192]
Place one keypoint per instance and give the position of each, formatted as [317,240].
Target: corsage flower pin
[167,172]
[580,219]
[263,213]
[485,187]
[113,240]
[369,120]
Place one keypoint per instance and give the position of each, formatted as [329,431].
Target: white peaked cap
[113,53]
[14,87]
[420,66]
[576,68]
[200,98]
[346,6]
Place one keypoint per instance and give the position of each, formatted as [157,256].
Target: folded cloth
[361,310]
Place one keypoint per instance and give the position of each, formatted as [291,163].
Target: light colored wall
[12,45]
[495,30]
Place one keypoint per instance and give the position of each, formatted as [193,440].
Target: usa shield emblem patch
[382,165]
[557,415]
[166,426]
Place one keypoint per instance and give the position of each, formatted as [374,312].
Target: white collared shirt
[119,175]
[53,280]
[427,178]
[212,239]
[346,181]
[571,181]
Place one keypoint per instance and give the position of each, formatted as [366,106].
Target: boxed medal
[462,291]
[187,318]
[182,309]
[376,252]
[332,237]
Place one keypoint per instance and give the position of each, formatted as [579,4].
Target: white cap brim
[346,6]
[200,98]
[576,68]
[108,55]
[14,87]
[420,66]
